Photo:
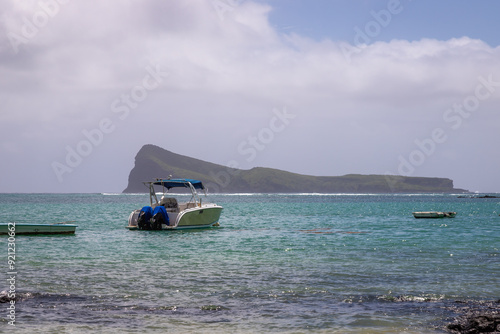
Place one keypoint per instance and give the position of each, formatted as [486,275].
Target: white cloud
[226,73]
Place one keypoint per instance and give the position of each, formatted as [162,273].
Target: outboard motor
[160,217]
[144,219]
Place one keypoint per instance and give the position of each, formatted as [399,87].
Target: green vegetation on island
[154,162]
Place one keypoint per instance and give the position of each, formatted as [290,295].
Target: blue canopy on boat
[175,183]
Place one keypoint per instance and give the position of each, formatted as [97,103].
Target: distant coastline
[155,162]
[479,196]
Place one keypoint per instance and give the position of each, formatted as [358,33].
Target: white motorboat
[434,214]
[168,214]
[15,228]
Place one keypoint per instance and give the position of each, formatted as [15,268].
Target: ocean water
[278,263]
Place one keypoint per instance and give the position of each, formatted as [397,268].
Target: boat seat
[169,203]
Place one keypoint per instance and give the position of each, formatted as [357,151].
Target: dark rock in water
[477,324]
[477,321]
[483,196]
[4,297]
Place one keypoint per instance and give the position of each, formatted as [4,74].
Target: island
[155,162]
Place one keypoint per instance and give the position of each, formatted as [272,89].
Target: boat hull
[198,217]
[434,214]
[23,229]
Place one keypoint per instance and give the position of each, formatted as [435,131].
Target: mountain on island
[154,162]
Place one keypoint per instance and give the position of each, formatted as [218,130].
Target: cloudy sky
[318,87]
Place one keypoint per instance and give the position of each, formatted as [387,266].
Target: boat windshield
[168,184]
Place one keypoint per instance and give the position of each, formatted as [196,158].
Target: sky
[316,87]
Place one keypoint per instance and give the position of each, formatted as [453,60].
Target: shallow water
[278,263]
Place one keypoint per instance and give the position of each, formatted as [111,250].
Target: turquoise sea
[278,263]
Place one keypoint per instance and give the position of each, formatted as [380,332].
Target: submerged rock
[477,324]
[478,321]
[5,297]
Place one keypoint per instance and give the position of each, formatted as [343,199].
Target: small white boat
[434,214]
[168,214]
[26,228]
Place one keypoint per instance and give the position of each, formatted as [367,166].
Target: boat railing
[193,202]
